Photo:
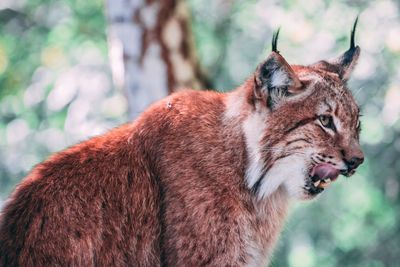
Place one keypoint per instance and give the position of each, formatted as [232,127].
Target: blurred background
[73,69]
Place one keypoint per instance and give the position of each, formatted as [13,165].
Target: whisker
[358,91]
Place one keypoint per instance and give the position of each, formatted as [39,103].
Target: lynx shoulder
[200,178]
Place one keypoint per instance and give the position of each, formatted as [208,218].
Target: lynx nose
[354,162]
[353,156]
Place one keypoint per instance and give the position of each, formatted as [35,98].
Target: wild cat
[199,179]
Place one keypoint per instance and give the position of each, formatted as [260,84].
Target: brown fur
[143,194]
[170,188]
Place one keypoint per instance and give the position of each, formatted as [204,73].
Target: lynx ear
[274,78]
[344,64]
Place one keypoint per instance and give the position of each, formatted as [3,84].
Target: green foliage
[53,69]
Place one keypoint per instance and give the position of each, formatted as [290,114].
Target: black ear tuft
[275,41]
[353,31]
[344,65]
[350,55]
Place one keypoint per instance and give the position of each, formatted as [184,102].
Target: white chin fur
[289,172]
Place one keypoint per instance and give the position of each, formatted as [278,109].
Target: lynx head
[308,125]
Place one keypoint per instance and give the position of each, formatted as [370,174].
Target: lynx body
[199,179]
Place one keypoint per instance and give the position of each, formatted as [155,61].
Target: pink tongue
[324,171]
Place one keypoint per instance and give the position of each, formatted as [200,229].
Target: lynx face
[321,135]
[311,127]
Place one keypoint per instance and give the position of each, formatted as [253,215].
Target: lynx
[199,179]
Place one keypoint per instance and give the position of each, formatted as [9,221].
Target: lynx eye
[327,121]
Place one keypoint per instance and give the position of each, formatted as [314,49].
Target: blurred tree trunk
[152,52]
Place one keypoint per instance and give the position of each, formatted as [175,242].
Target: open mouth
[320,177]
